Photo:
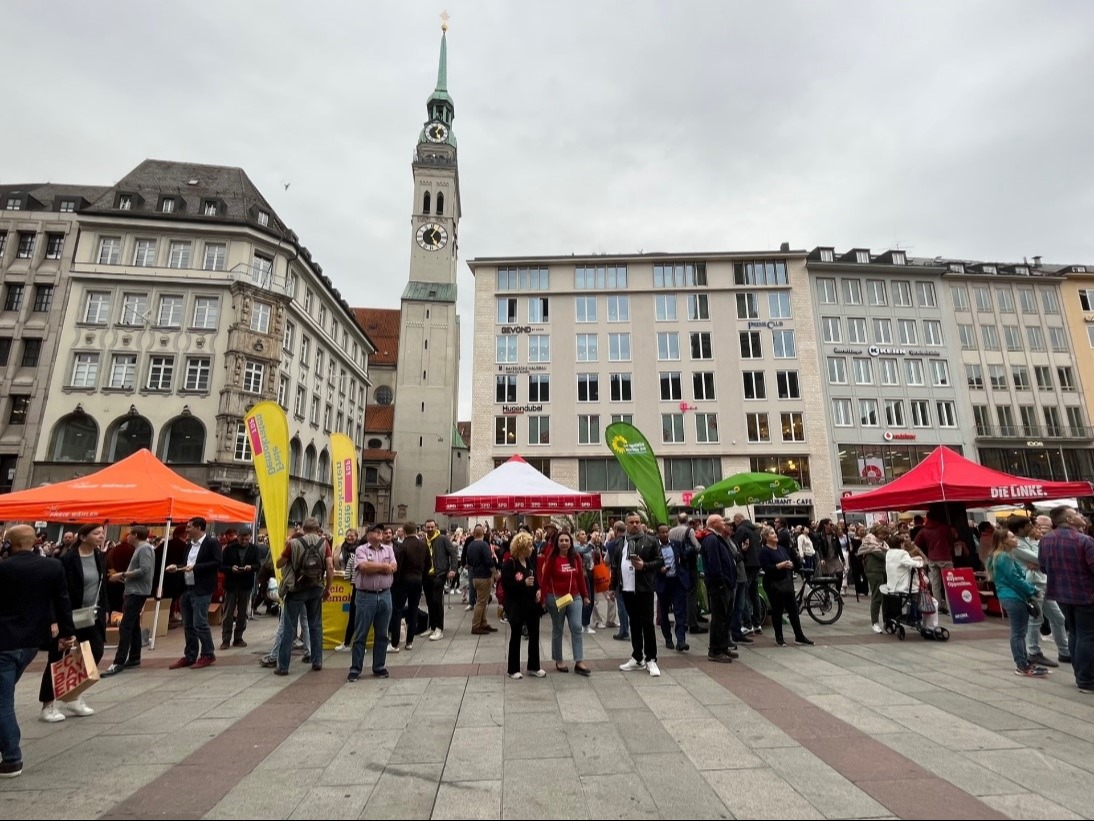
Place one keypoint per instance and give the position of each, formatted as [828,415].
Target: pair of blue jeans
[195,625]
[1019,623]
[12,665]
[742,612]
[1079,619]
[309,602]
[624,617]
[570,615]
[373,610]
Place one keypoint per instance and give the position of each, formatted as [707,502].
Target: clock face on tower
[432,237]
[436,132]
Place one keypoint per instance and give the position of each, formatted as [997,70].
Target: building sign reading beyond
[520,329]
[1017,491]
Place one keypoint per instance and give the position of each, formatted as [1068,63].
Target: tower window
[440,203]
[423,407]
[425,203]
[418,480]
[423,376]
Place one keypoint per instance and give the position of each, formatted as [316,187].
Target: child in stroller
[907,599]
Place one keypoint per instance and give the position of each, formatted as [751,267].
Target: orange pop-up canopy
[139,488]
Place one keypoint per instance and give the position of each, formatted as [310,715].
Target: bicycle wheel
[825,605]
[761,613]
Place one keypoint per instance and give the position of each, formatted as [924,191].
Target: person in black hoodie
[239,567]
[522,604]
[85,574]
[747,538]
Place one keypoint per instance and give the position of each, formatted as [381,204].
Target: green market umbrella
[744,489]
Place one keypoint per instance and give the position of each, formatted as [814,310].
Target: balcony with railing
[1035,433]
[260,276]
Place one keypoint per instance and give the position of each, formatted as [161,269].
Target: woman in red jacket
[562,576]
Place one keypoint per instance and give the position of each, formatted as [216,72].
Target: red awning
[947,476]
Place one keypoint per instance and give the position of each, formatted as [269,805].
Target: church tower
[427,381]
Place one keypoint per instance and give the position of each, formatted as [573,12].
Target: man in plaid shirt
[1067,557]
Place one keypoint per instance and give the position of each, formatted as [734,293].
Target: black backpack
[312,568]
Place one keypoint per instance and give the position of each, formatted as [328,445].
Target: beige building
[38,232]
[1077,296]
[712,356]
[187,302]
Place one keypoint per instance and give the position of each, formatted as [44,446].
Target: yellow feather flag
[268,429]
[346,491]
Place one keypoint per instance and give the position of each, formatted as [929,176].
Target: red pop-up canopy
[947,476]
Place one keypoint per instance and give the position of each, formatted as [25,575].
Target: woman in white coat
[903,561]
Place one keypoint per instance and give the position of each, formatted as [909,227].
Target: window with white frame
[755,386]
[947,414]
[932,332]
[507,310]
[997,376]
[216,256]
[123,371]
[747,306]
[967,335]
[856,330]
[585,309]
[170,310]
[706,427]
[902,293]
[1066,378]
[664,306]
[841,413]
[1075,420]
[989,334]
[1005,298]
[672,428]
[144,255]
[134,308]
[254,377]
[668,346]
[1027,300]
[982,297]
[110,250]
[913,372]
[619,309]
[241,452]
[959,295]
[832,329]
[864,370]
[920,412]
[97,308]
[588,387]
[283,392]
[179,255]
[288,339]
[620,387]
[505,388]
[161,373]
[206,312]
[313,415]
[925,295]
[55,246]
[862,257]
[1049,301]
[698,307]
[25,249]
[539,348]
[619,347]
[940,373]
[702,386]
[852,291]
[506,348]
[1043,376]
[539,309]
[974,376]
[757,427]
[783,344]
[198,371]
[909,333]
[868,413]
[1020,376]
[793,426]
[889,370]
[1057,338]
[1090,335]
[539,430]
[305,351]
[826,291]
[778,305]
[587,348]
[85,370]
[837,370]
[300,404]
[876,293]
[894,413]
[260,316]
[750,345]
[588,429]
[670,386]
[787,384]
[1036,338]
[1052,421]
[1012,337]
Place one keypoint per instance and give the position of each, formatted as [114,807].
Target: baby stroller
[903,608]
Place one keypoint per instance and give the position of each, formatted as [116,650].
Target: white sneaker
[653,668]
[394,649]
[469,608]
[601,625]
[877,627]
[632,665]
[342,648]
[51,714]
[79,708]
[436,635]
[537,673]
[589,631]
[515,675]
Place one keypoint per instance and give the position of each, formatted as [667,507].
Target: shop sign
[771,323]
[522,368]
[1034,444]
[893,436]
[520,329]
[874,350]
[516,410]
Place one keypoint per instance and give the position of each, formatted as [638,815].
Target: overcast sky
[954,129]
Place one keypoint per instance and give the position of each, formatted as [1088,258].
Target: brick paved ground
[859,726]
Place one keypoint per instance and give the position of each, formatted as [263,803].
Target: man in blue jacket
[720,569]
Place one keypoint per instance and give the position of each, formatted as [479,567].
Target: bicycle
[823,602]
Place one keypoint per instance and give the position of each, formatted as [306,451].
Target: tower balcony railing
[1035,432]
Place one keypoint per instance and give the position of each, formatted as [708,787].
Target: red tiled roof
[377,455]
[382,327]
[379,418]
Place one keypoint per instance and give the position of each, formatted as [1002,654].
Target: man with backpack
[307,572]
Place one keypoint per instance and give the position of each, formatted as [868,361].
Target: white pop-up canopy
[515,487]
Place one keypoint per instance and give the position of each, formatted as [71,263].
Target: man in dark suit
[32,591]
[203,561]
[239,568]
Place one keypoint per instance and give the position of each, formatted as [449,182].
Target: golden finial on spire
[444,20]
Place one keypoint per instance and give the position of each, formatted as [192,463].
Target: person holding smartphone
[779,566]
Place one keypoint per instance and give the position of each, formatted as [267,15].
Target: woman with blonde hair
[522,603]
[1013,592]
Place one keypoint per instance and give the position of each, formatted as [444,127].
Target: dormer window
[125,202]
[957,268]
[990,269]
[862,256]
[1078,269]
[168,206]
[209,208]
[899,258]
[67,206]
[14,204]
[1021,270]
[827,255]
[263,218]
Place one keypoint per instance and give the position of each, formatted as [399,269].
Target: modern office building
[187,301]
[712,356]
[890,369]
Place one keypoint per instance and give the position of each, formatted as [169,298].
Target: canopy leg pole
[159,588]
